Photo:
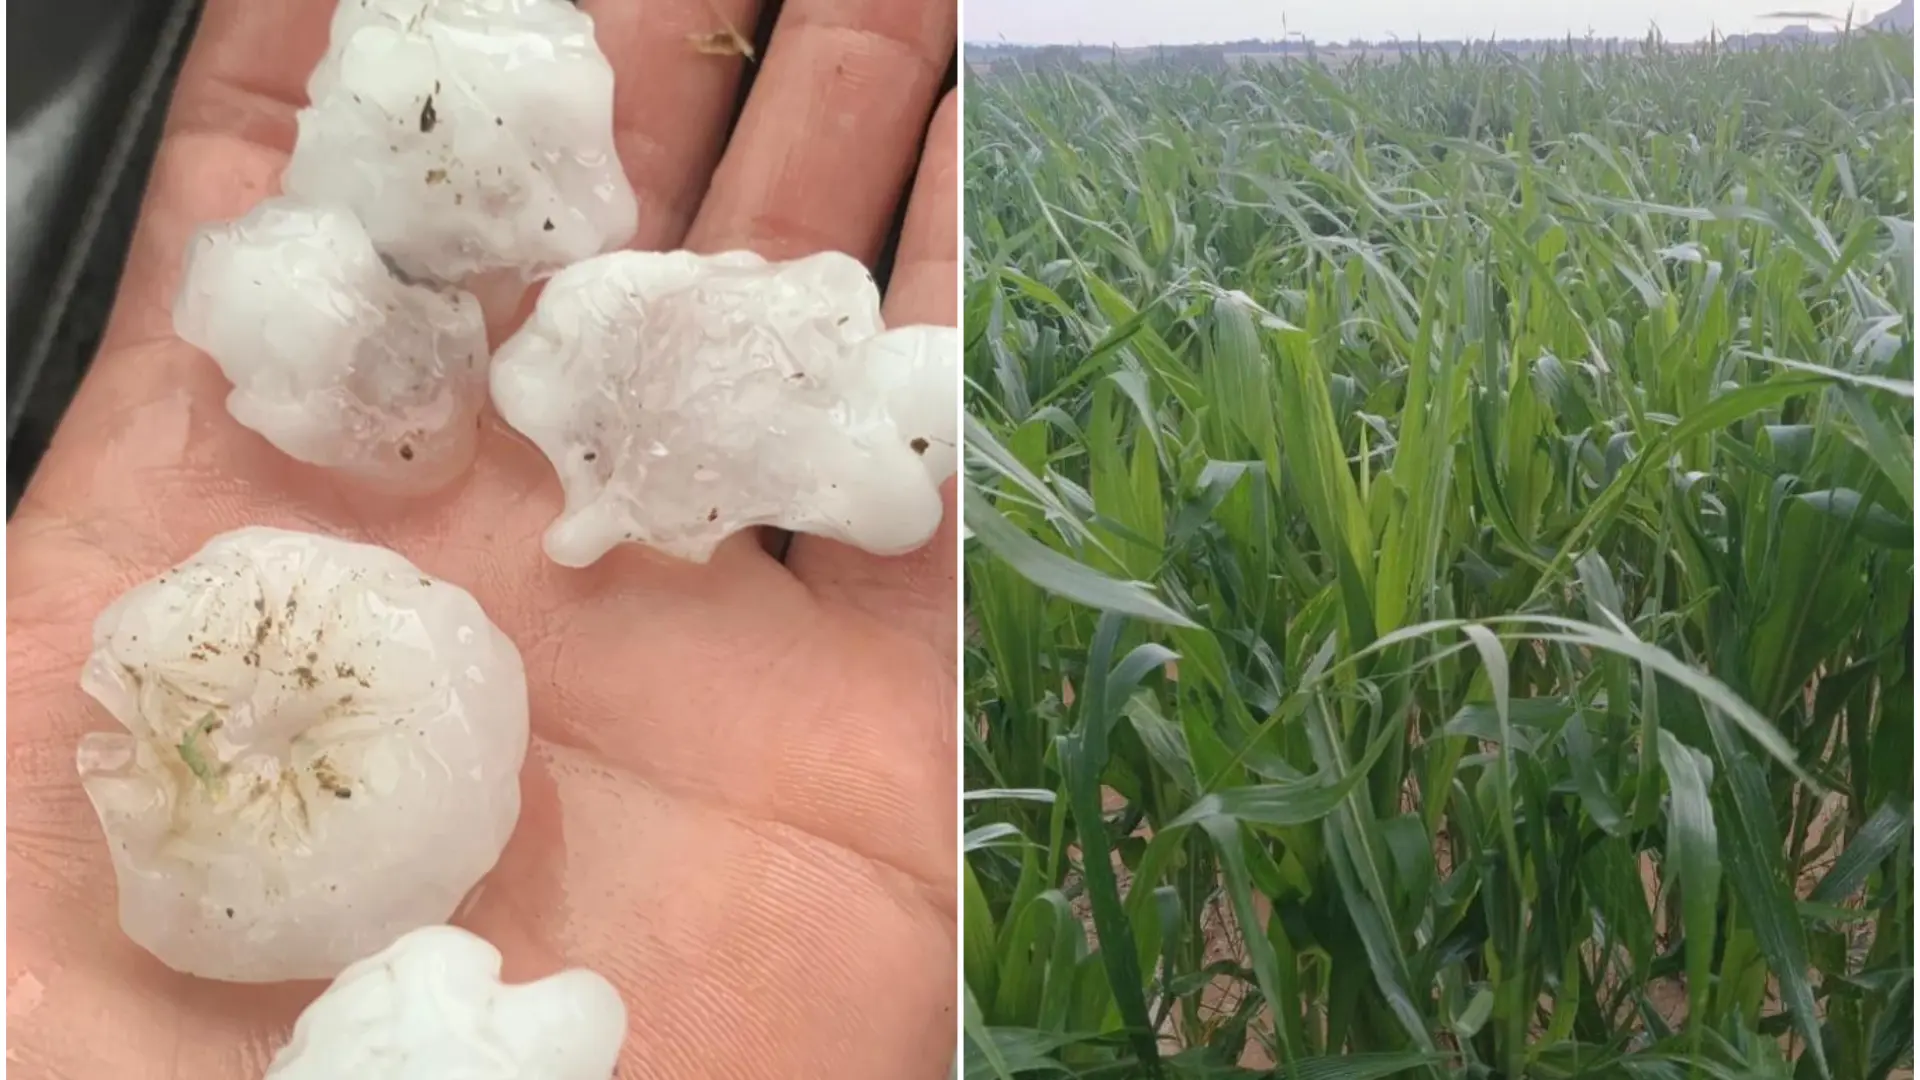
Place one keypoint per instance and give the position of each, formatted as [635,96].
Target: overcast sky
[1176,22]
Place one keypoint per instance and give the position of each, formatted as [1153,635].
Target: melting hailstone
[334,359]
[431,1006]
[469,135]
[322,752]
[682,398]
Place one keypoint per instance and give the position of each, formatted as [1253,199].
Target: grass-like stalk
[1440,576]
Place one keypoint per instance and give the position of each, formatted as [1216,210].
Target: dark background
[87,88]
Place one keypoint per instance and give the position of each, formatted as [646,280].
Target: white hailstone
[682,398]
[432,1007]
[322,752]
[469,135]
[333,359]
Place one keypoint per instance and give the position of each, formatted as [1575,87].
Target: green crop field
[1440,567]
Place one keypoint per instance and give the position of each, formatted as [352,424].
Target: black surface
[87,86]
[88,83]
[47,41]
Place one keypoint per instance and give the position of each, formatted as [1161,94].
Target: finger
[823,153]
[671,101]
[918,590]
[826,146]
[924,287]
[246,74]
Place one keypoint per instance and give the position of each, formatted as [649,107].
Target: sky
[1179,22]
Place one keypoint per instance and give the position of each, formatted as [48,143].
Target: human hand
[739,802]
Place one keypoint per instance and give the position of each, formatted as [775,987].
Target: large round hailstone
[335,360]
[322,752]
[431,1007]
[682,398]
[469,135]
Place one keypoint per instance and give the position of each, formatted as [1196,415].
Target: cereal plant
[1440,567]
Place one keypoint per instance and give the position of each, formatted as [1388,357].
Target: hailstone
[683,397]
[337,361]
[431,1007]
[321,752]
[469,135]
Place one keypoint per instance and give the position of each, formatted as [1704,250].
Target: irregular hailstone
[469,135]
[431,1007]
[322,752]
[682,398]
[334,359]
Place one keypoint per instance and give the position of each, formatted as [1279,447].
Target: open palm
[739,799]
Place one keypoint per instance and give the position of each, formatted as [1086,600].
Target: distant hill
[1897,17]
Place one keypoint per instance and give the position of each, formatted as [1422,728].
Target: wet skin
[740,797]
